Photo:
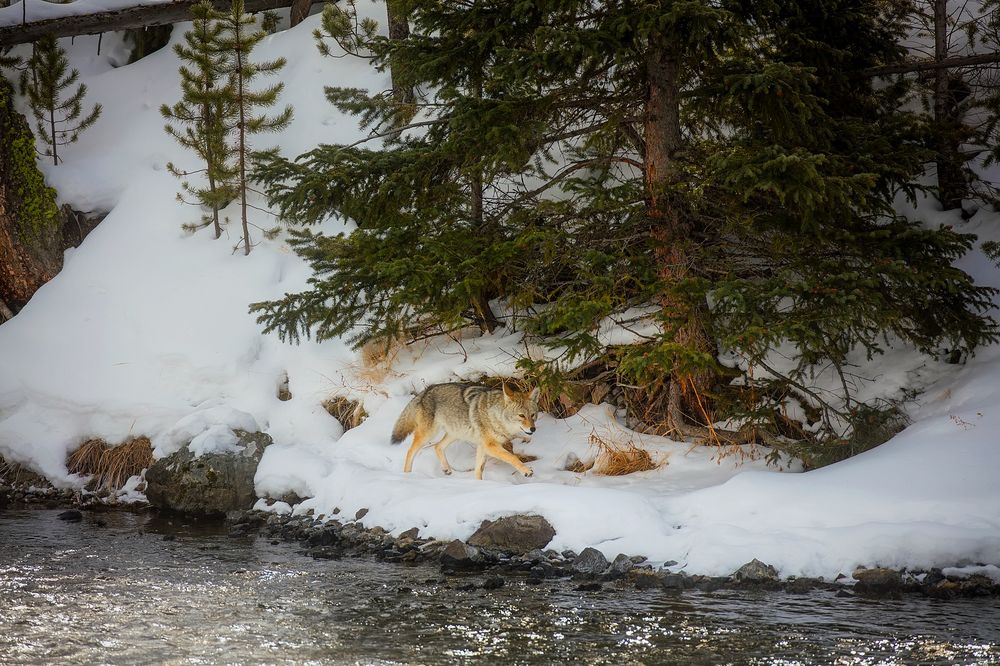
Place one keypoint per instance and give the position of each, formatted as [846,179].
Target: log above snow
[88,17]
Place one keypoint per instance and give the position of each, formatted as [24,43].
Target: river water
[121,588]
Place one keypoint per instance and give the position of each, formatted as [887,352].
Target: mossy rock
[210,485]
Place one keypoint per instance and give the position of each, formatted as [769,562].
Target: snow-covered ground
[146,332]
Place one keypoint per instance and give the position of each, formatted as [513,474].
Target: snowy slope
[146,332]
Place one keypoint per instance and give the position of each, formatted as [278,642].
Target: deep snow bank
[146,332]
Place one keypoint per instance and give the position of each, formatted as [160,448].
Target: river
[121,588]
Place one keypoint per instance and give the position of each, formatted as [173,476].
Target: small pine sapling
[237,41]
[200,117]
[58,120]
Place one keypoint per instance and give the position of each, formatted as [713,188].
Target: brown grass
[350,413]
[111,466]
[618,458]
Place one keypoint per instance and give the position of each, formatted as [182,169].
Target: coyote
[488,417]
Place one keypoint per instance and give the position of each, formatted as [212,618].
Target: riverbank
[153,588]
[478,566]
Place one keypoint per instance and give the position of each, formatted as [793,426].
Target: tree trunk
[673,229]
[399,29]
[300,10]
[487,320]
[52,129]
[243,143]
[952,186]
[210,160]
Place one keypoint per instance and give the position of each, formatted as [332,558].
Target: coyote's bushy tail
[406,423]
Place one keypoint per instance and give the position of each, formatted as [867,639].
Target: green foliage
[58,119]
[201,115]
[870,426]
[524,180]
[236,40]
[36,211]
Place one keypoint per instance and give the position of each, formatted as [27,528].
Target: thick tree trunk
[673,229]
[952,186]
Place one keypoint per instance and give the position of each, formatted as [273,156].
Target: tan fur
[490,418]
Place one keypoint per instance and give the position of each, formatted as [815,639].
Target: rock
[588,587]
[411,533]
[590,561]
[361,513]
[933,577]
[878,581]
[212,484]
[801,585]
[517,534]
[644,579]
[621,566]
[71,516]
[675,581]
[494,583]
[755,571]
[460,555]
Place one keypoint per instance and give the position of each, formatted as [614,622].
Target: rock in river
[211,484]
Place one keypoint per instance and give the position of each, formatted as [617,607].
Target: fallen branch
[119,19]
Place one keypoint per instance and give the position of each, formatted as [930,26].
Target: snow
[146,332]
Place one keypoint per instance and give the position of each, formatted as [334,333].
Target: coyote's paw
[530,472]
[447,471]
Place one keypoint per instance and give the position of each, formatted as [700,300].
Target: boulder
[460,555]
[591,561]
[518,534]
[755,571]
[878,581]
[212,484]
[621,566]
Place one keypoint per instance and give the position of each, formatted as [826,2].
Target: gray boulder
[621,565]
[755,571]
[591,561]
[212,484]
[518,534]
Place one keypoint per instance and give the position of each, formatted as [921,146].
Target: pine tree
[236,42]
[727,164]
[58,120]
[202,114]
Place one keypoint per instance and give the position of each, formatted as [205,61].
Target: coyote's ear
[508,392]
[533,396]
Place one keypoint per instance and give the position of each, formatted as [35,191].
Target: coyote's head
[519,411]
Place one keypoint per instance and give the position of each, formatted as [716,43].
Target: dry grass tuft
[111,466]
[377,359]
[350,413]
[618,458]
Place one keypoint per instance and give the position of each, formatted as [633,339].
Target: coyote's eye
[520,416]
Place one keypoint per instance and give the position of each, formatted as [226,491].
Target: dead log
[120,19]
